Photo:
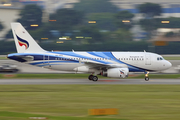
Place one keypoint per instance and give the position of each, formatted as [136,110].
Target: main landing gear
[93,78]
[146,76]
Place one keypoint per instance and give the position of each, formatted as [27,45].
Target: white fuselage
[91,61]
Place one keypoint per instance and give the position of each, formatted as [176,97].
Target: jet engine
[116,72]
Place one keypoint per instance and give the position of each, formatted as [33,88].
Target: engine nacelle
[81,69]
[116,72]
[85,69]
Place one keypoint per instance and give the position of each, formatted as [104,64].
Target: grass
[172,58]
[3,58]
[135,102]
[4,115]
[81,76]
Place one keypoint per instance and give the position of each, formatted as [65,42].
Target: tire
[90,77]
[95,78]
[146,78]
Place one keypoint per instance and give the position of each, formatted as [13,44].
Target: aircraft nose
[168,64]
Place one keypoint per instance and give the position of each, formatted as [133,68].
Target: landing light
[79,37]
[34,25]
[63,38]
[59,42]
[6,4]
[126,21]
[165,21]
[44,38]
[52,20]
[91,21]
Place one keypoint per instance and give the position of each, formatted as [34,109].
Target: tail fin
[23,40]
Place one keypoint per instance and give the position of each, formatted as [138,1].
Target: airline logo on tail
[22,42]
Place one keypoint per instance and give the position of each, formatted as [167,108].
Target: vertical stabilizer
[23,40]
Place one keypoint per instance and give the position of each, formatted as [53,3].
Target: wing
[102,64]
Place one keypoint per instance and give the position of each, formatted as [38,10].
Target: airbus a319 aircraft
[110,64]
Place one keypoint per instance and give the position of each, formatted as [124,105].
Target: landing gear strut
[93,78]
[146,76]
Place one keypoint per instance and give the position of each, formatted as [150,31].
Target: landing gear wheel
[146,78]
[95,78]
[90,77]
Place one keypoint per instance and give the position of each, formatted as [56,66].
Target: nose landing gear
[146,76]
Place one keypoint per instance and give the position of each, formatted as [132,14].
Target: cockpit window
[160,58]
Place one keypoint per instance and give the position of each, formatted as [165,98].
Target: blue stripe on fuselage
[81,56]
[44,62]
[38,56]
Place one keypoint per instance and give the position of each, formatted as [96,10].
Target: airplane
[109,64]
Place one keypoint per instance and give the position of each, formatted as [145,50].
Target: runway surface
[85,81]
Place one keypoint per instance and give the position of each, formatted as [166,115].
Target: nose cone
[167,65]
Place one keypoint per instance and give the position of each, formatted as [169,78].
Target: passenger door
[46,59]
[148,59]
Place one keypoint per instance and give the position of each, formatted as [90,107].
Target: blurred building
[8,13]
[52,5]
[170,8]
[162,35]
[10,9]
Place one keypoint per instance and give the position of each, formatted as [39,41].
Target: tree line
[111,24]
